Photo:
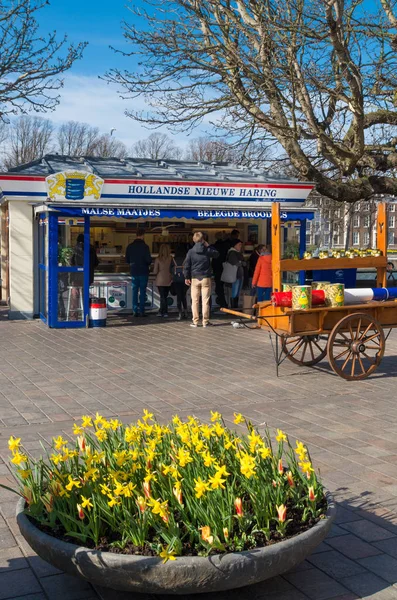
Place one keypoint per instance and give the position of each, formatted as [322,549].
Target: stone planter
[186,575]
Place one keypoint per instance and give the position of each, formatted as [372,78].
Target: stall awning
[197,214]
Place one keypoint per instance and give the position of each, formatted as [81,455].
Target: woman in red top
[262,278]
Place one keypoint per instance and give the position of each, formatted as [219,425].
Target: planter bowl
[187,574]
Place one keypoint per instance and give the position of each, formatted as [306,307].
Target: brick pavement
[48,378]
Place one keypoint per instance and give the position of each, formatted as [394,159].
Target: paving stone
[12,559]
[335,564]
[368,585]
[18,583]
[353,547]
[387,546]
[316,584]
[383,565]
[65,587]
[368,531]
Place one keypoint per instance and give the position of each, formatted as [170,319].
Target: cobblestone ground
[50,377]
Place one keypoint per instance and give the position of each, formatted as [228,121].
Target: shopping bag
[229,273]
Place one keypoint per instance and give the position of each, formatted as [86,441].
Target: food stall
[50,202]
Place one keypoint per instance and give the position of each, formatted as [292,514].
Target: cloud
[90,100]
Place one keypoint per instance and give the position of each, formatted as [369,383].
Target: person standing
[162,270]
[197,271]
[262,278]
[139,258]
[178,280]
[253,259]
[235,258]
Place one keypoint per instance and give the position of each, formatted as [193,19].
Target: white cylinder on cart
[353,296]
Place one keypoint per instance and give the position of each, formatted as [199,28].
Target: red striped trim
[22,178]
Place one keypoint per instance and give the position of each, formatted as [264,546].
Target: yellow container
[301,297]
[287,287]
[320,285]
[335,294]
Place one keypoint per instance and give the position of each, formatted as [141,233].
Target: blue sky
[85,97]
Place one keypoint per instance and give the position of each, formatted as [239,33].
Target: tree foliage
[157,146]
[30,64]
[316,77]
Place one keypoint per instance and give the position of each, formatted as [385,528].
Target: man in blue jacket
[139,258]
[197,271]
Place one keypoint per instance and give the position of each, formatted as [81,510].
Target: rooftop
[146,168]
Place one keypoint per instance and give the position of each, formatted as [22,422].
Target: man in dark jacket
[139,258]
[197,271]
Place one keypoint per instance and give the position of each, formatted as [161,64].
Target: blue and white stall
[46,203]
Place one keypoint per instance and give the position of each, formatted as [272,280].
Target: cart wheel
[356,346]
[306,350]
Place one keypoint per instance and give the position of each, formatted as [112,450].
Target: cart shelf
[312,264]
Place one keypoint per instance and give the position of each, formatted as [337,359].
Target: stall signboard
[86,187]
[116,294]
[163,213]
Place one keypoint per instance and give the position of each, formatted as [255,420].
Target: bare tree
[210,150]
[29,63]
[318,77]
[157,146]
[77,139]
[107,146]
[29,138]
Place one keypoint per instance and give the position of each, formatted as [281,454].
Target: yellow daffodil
[72,483]
[215,416]
[114,424]
[19,458]
[201,487]
[238,418]
[206,431]
[166,554]
[264,452]
[24,473]
[77,430]
[56,458]
[147,416]
[208,459]
[281,436]
[247,465]
[101,435]
[86,503]
[105,490]
[113,501]
[217,482]
[14,443]
[306,468]
[86,421]
[59,442]
[183,457]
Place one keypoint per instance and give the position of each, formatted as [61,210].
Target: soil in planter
[111,543]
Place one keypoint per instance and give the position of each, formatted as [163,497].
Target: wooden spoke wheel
[356,346]
[305,350]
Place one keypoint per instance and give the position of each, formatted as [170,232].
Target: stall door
[69,267]
[43,266]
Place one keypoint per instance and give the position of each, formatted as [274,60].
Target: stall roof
[145,168]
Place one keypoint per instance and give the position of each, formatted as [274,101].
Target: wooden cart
[352,336]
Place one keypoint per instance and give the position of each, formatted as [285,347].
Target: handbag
[229,273]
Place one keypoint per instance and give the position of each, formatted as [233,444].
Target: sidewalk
[48,378]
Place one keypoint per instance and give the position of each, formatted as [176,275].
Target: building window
[356,221]
[326,240]
[366,221]
[391,207]
[336,239]
[356,238]
[391,221]
[366,238]
[390,238]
